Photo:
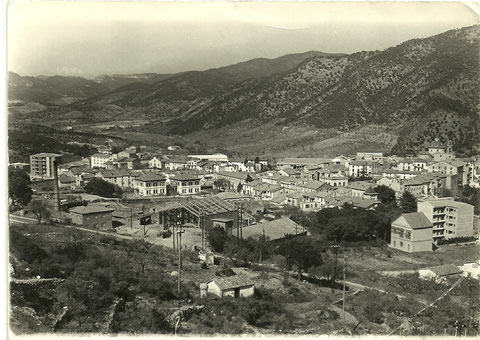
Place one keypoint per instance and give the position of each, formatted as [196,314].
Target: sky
[91,38]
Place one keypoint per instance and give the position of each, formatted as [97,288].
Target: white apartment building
[98,160]
[450,218]
[360,168]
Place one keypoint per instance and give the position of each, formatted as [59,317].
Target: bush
[166,233]
[456,240]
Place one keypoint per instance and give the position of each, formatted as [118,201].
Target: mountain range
[420,89]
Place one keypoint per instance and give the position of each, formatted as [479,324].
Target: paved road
[21,219]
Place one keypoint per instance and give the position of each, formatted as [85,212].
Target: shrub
[456,240]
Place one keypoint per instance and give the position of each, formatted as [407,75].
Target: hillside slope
[418,84]
[46,90]
[177,95]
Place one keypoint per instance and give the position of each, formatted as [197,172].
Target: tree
[116,148]
[19,189]
[216,237]
[221,183]
[100,187]
[446,193]
[303,252]
[249,179]
[40,209]
[239,187]
[408,202]
[386,195]
[471,196]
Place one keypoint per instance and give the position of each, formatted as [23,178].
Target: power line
[430,305]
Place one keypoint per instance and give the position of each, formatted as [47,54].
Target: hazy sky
[91,38]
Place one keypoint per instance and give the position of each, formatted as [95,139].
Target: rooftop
[90,209]
[150,177]
[209,206]
[417,220]
[360,185]
[445,269]
[47,154]
[231,282]
[185,177]
[303,161]
[101,155]
[274,230]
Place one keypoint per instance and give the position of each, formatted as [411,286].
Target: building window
[401,244]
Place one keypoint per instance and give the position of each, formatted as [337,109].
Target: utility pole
[238,222]
[179,232]
[241,222]
[345,259]
[131,217]
[203,230]
[334,276]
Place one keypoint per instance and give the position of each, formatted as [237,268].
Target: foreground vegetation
[96,283]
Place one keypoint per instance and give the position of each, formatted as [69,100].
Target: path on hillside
[35,280]
[25,220]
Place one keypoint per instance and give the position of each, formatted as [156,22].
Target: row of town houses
[309,183]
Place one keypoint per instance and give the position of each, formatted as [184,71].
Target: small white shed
[440,273]
[234,286]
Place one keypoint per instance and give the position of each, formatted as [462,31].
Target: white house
[155,163]
[98,160]
[150,185]
[234,286]
[440,273]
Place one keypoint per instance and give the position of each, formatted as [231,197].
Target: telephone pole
[241,221]
[179,232]
[334,275]
[345,260]
[238,223]
[202,222]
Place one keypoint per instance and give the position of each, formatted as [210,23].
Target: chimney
[56,193]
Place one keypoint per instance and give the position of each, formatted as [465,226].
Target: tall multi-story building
[450,218]
[41,165]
